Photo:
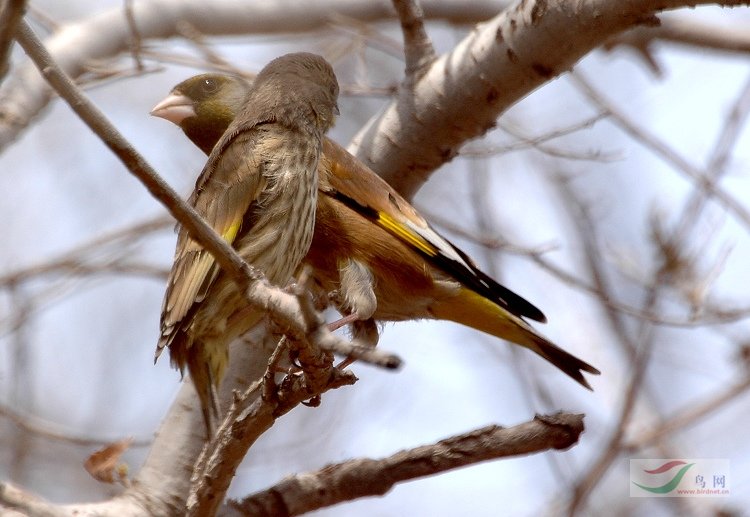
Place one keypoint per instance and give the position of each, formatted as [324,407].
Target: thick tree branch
[163,483]
[497,64]
[367,477]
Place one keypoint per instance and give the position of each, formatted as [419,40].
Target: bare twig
[538,142]
[710,315]
[370,35]
[21,362]
[683,419]
[41,429]
[41,18]
[675,263]
[250,416]
[718,161]
[11,12]
[136,41]
[367,477]
[13,496]
[74,257]
[533,390]
[199,63]
[700,178]
[213,58]
[680,29]
[639,348]
[418,49]
[229,260]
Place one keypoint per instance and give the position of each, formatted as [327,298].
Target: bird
[371,248]
[258,190]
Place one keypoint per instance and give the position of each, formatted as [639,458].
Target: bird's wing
[229,184]
[358,187]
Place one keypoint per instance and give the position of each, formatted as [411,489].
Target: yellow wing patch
[403,232]
[232,231]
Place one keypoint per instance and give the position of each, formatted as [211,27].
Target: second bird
[258,191]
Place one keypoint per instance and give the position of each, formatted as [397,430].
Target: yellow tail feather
[473,310]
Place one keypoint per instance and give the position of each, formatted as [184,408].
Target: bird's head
[203,106]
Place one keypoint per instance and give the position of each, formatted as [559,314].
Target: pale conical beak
[174,108]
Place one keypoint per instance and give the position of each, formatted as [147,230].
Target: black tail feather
[566,362]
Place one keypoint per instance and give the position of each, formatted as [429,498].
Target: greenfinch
[258,190]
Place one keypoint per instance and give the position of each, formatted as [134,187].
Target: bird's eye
[209,85]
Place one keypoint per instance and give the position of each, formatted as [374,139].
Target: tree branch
[701,179]
[31,425]
[367,477]
[495,66]
[10,14]
[688,32]
[687,417]
[12,496]
[251,416]
[418,48]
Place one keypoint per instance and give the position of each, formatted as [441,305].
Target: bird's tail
[205,371]
[205,386]
[473,310]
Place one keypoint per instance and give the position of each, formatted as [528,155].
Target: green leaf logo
[672,484]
